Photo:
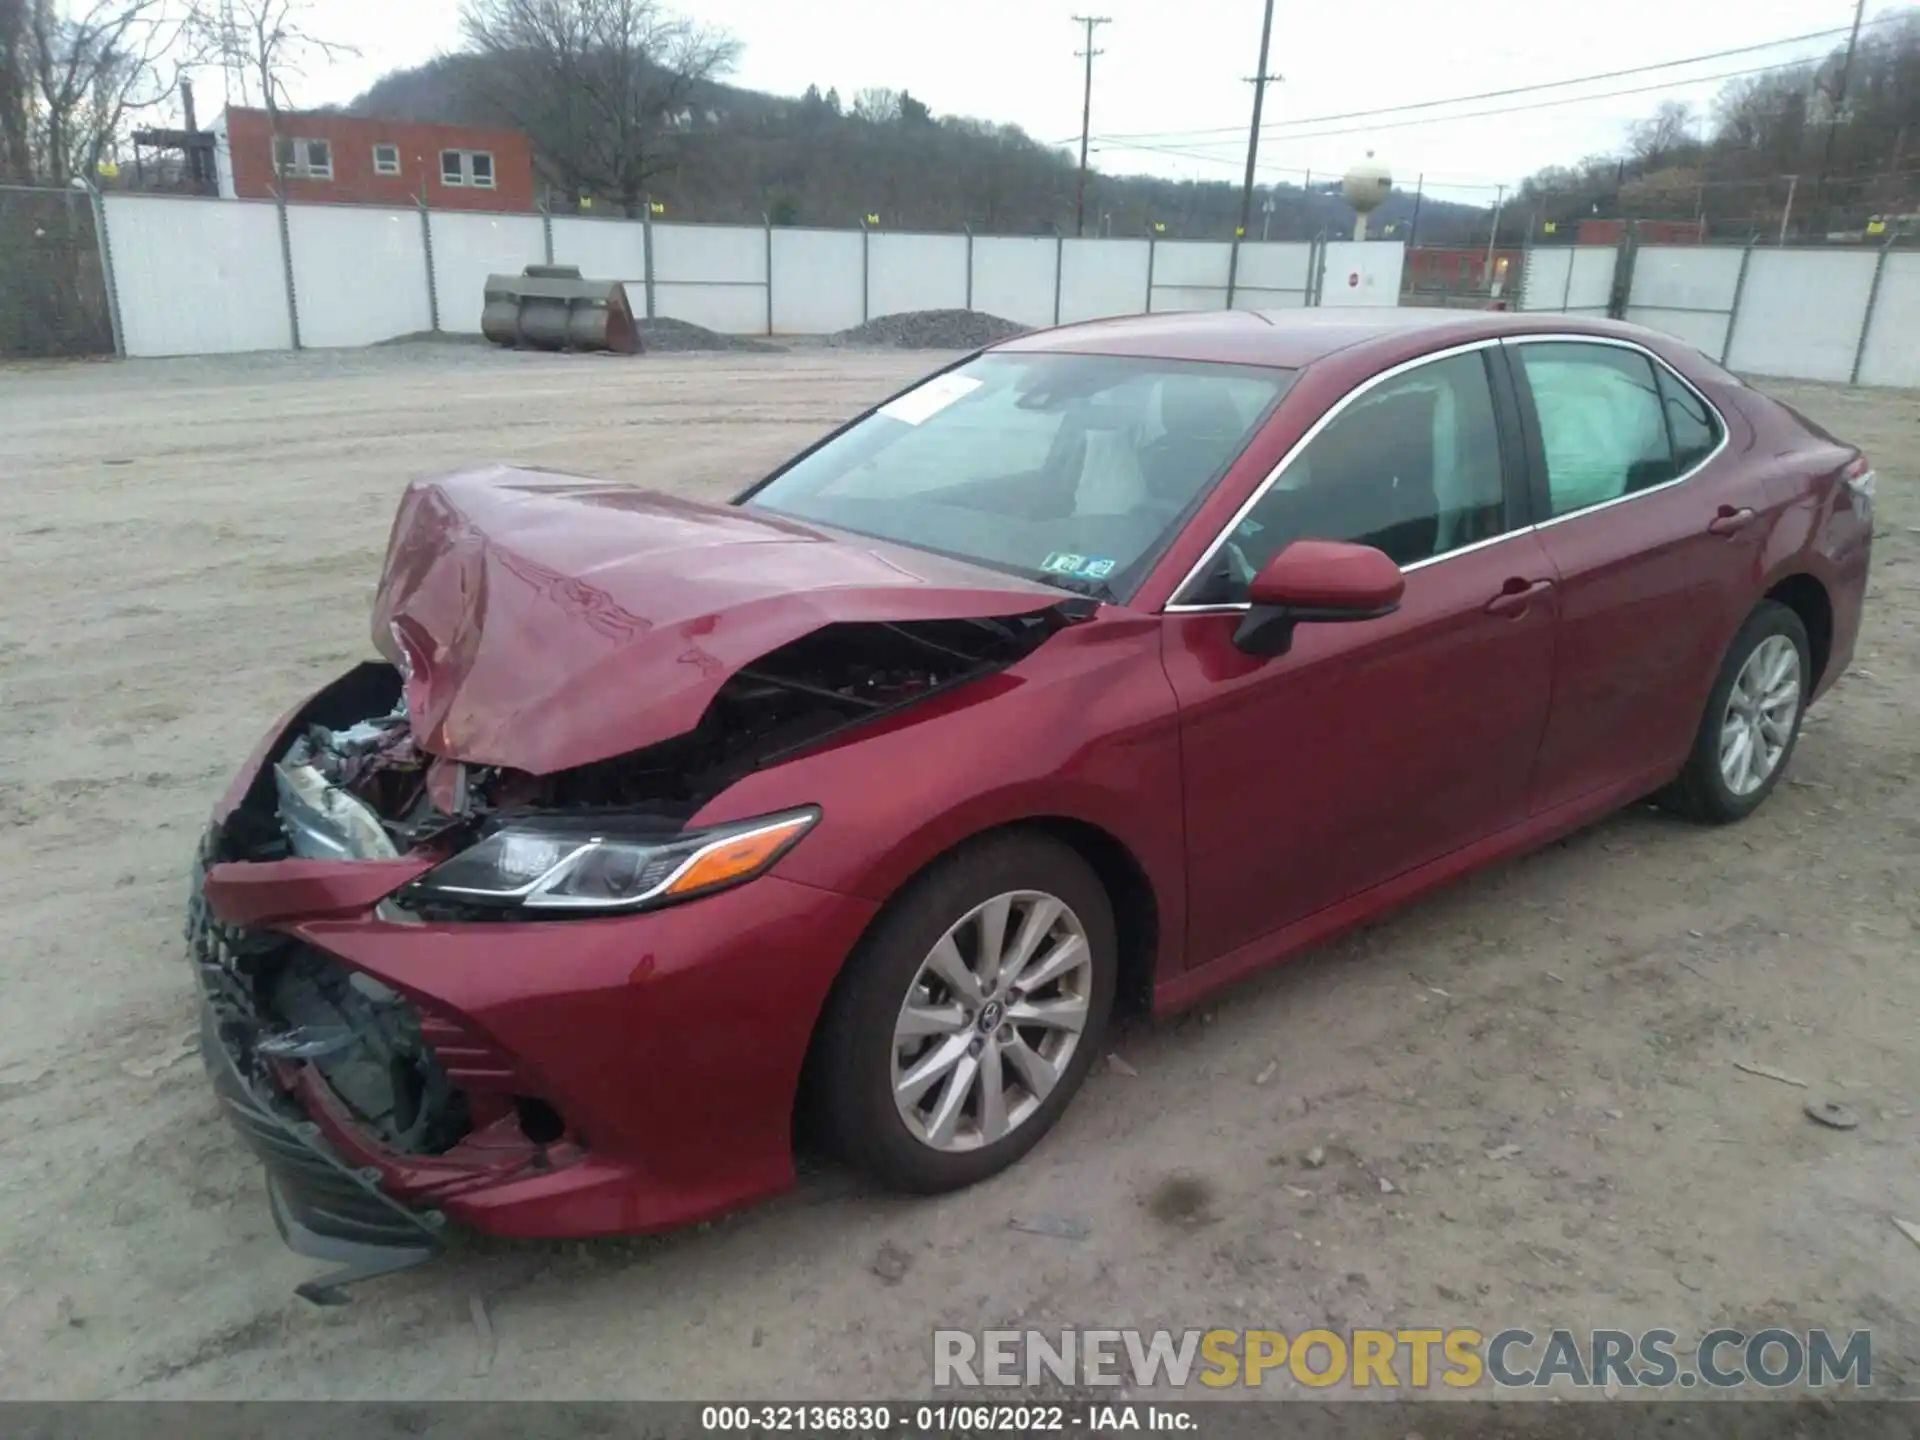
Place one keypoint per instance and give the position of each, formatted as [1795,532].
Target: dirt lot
[190,546]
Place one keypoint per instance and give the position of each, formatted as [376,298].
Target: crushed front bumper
[669,1046]
[323,1206]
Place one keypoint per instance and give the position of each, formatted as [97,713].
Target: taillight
[1860,484]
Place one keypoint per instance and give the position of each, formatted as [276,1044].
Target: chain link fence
[53,292]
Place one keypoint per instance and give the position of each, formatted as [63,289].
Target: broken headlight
[565,863]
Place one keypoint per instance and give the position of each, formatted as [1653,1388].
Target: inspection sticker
[1081,567]
[925,401]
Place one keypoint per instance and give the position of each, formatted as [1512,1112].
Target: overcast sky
[1176,66]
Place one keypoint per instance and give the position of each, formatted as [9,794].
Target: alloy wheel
[991,1021]
[1760,715]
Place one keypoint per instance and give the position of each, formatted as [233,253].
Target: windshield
[1071,469]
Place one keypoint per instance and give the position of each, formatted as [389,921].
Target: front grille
[226,957]
[370,1044]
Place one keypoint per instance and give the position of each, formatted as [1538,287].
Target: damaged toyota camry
[1094,672]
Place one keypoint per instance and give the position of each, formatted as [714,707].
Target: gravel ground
[658,336]
[192,545]
[664,336]
[930,330]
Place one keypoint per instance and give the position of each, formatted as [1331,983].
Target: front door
[1371,747]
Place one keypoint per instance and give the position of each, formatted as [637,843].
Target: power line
[1106,142]
[1092,22]
[1529,89]
[1536,105]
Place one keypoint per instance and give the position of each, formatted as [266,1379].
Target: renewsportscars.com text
[1459,1358]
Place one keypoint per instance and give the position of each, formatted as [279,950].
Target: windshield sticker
[1081,567]
[923,402]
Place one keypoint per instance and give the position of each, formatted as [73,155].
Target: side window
[1694,427]
[1412,467]
[1602,422]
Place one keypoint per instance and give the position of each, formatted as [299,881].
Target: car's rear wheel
[969,1015]
[1751,722]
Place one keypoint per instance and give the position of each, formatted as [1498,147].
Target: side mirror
[1316,580]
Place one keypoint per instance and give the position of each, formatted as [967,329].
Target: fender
[895,798]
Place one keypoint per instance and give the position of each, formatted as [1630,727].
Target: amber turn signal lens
[737,857]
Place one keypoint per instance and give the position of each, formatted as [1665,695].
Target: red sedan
[1096,671]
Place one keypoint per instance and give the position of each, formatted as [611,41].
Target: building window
[303,159]
[467,167]
[386,159]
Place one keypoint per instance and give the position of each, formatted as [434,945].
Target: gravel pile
[671,335]
[930,330]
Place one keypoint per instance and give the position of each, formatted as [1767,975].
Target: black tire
[1701,793]
[852,1079]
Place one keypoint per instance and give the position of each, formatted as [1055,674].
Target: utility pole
[1419,190]
[1259,78]
[1499,199]
[1092,22]
[1833,117]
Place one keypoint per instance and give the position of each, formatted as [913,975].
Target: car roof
[1294,338]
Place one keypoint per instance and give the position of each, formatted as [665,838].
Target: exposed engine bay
[365,790]
[352,783]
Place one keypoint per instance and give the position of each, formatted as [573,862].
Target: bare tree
[1657,140]
[16,149]
[88,68]
[263,45]
[877,105]
[597,85]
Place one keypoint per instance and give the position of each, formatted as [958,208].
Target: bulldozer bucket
[550,307]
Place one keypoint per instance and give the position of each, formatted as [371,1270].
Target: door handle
[1516,595]
[1730,521]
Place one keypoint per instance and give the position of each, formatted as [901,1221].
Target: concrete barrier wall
[1840,314]
[817,284]
[1687,291]
[1891,352]
[1361,272]
[1103,278]
[711,275]
[359,275]
[1014,278]
[1190,275]
[1801,313]
[207,276]
[916,272]
[604,249]
[1570,279]
[198,277]
[1280,276]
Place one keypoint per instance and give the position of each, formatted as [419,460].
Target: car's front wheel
[969,1015]
[1751,722]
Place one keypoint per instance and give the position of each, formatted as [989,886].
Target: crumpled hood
[545,621]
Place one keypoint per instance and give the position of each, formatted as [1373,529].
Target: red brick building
[1648,232]
[348,159]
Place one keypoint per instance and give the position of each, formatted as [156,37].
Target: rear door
[1655,534]
[1374,746]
